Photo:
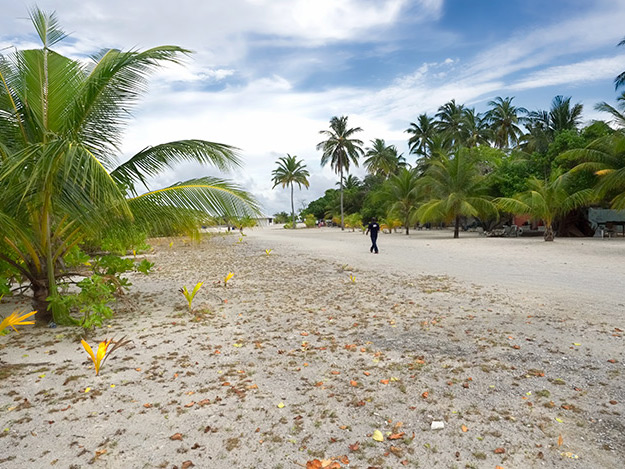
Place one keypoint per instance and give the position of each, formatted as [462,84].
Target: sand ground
[515,345]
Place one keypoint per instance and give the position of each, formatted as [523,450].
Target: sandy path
[294,362]
[587,273]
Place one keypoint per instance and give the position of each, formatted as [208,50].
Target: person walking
[374,229]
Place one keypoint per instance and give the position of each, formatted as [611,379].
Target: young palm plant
[61,124]
[290,172]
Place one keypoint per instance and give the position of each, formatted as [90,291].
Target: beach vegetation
[455,188]
[402,195]
[104,351]
[15,319]
[289,172]
[61,185]
[310,221]
[341,150]
[189,296]
[227,278]
[546,200]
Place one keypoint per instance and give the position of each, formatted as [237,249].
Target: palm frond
[153,160]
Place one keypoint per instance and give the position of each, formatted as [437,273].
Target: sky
[267,76]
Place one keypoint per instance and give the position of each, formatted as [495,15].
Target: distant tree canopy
[510,150]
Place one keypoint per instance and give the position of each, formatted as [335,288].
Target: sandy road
[583,274]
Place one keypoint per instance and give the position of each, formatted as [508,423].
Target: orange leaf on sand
[353,383]
[498,467]
[499,450]
[384,381]
[176,436]
[560,441]
[335,372]
[425,395]
[396,436]
[464,428]
[354,447]
[366,373]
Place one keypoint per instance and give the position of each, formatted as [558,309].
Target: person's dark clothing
[373,228]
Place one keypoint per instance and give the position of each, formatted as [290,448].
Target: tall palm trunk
[407,225]
[292,207]
[342,216]
[457,227]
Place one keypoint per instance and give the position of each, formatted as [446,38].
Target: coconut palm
[604,157]
[402,194]
[451,120]
[617,115]
[546,200]
[455,188]
[61,123]
[422,133]
[475,130]
[340,150]
[290,172]
[503,117]
[382,159]
[561,116]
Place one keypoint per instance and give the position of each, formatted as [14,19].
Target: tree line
[480,166]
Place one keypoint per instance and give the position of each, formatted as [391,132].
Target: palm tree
[455,188]
[340,150]
[402,194]
[60,129]
[561,116]
[605,158]
[618,116]
[546,200]
[451,120]
[422,133]
[290,172]
[475,130]
[382,159]
[504,119]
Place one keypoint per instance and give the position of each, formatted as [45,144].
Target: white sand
[578,273]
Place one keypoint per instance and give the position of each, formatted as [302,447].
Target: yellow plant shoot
[13,320]
[191,295]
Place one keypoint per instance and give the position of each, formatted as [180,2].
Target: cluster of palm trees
[506,160]
[61,185]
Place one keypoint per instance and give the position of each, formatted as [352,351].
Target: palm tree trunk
[407,224]
[292,207]
[549,235]
[342,217]
[457,227]
[40,302]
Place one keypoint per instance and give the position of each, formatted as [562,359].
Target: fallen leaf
[499,451]
[366,373]
[147,405]
[280,405]
[425,395]
[377,436]
[187,465]
[384,381]
[353,383]
[354,447]
[464,428]
[396,436]
[190,404]
[176,437]
[560,441]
